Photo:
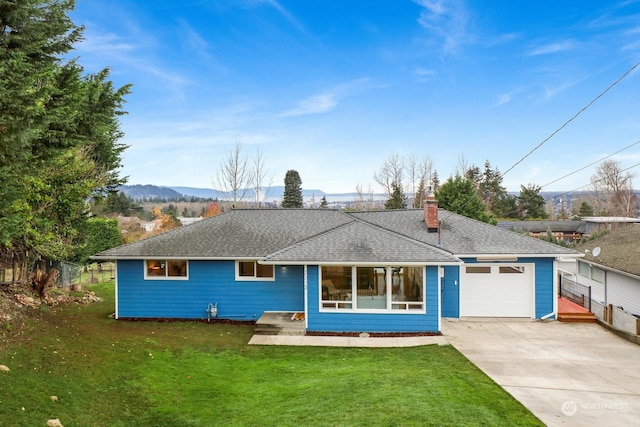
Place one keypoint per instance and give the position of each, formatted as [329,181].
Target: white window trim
[389,300]
[165,277]
[253,278]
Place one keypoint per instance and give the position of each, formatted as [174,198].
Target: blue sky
[333,88]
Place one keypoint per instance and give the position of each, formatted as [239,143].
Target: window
[386,288]
[591,272]
[583,269]
[166,269]
[478,270]
[251,270]
[597,274]
[336,286]
[511,269]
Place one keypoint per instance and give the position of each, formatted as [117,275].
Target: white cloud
[193,41]
[316,104]
[423,74]
[105,44]
[327,100]
[553,91]
[448,19]
[503,99]
[292,20]
[546,49]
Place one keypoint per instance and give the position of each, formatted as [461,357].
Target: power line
[600,95]
[574,117]
[590,164]
[592,182]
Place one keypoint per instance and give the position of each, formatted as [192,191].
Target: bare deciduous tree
[463,166]
[390,173]
[235,175]
[361,203]
[413,170]
[613,190]
[261,179]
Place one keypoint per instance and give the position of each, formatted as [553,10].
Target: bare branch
[234,176]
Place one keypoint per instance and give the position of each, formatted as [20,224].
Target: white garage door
[497,290]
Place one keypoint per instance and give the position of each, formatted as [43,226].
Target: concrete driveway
[567,374]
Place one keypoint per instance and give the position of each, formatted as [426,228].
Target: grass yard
[106,372]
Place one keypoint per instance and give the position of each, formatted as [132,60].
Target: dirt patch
[19,304]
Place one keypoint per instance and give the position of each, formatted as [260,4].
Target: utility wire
[574,117]
[593,182]
[600,95]
[589,165]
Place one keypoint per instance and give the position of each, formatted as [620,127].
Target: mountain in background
[141,192]
[146,192]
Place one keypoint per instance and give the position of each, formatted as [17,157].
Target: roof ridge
[396,232]
[305,240]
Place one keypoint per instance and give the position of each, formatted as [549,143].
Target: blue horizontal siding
[372,322]
[209,282]
[544,293]
[451,291]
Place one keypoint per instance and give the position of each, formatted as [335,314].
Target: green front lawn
[114,373]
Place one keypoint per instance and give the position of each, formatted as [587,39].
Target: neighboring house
[153,225]
[614,274]
[126,223]
[186,220]
[594,224]
[570,231]
[386,271]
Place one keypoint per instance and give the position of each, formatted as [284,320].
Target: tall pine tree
[397,200]
[292,197]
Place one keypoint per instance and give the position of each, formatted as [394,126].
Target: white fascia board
[360,264]
[497,257]
[185,258]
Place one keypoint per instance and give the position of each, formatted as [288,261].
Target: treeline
[59,129]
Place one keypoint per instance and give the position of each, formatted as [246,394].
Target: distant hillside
[142,192]
[274,193]
[205,193]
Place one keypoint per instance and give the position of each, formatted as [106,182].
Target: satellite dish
[596,251]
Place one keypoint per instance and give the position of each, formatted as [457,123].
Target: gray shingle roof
[235,234]
[360,242]
[618,249]
[461,235]
[332,236]
[567,226]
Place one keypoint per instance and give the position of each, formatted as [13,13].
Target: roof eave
[359,263]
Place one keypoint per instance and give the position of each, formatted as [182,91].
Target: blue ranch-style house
[385,271]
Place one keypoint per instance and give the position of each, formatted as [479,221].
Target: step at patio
[585,317]
[279,324]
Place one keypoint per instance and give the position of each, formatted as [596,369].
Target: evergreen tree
[397,200]
[323,203]
[435,182]
[585,209]
[532,204]
[458,195]
[102,234]
[59,130]
[292,197]
[421,195]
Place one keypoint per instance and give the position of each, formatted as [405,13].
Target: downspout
[306,299]
[440,276]
[116,289]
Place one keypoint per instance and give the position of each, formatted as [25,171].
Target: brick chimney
[431,213]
